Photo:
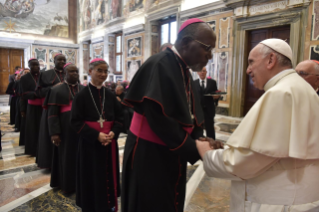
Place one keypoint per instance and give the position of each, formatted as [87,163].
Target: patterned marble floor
[25,187]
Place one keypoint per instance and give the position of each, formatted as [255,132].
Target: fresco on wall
[70,56]
[222,75]
[212,24]
[44,17]
[314,53]
[315,21]
[96,12]
[52,53]
[46,54]
[98,50]
[132,6]
[134,47]
[224,31]
[41,54]
[132,67]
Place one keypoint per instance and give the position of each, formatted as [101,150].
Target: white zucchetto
[279,46]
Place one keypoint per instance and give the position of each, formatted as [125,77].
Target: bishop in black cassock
[47,80]
[10,90]
[97,117]
[166,122]
[23,104]
[59,102]
[33,110]
[16,88]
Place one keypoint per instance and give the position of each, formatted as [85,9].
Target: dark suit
[11,79]
[208,104]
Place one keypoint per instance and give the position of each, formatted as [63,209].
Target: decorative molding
[161,13]
[250,8]
[204,10]
[133,29]
[97,40]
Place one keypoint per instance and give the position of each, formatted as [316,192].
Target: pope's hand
[213,144]
[202,147]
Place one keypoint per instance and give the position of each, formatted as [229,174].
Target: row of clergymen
[45,104]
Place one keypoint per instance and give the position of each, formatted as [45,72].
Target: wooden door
[252,94]
[9,59]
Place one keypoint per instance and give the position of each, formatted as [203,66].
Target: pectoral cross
[101,121]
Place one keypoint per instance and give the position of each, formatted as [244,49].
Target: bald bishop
[272,158]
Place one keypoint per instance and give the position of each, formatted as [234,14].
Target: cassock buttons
[176,203]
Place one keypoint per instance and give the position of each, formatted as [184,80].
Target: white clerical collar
[71,84]
[98,87]
[272,82]
[176,52]
[58,70]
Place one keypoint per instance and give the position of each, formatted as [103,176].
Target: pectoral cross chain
[101,121]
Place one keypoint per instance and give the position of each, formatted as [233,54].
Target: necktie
[203,84]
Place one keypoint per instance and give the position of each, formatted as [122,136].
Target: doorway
[9,59]
[252,94]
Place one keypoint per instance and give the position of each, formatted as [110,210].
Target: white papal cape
[272,157]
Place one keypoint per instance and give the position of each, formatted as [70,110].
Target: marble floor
[25,187]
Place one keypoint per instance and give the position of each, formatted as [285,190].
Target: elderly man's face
[306,70]
[199,49]
[257,68]
[202,73]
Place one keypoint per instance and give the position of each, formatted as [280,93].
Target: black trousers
[209,125]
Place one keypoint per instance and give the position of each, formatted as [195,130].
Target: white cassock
[272,157]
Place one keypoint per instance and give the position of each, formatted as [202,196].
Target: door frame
[295,17]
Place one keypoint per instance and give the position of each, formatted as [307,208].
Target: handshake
[205,144]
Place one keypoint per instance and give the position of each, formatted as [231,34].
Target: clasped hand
[56,140]
[205,144]
[106,139]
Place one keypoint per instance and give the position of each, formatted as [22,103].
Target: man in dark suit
[207,86]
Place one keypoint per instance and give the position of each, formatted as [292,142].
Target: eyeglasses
[304,74]
[208,47]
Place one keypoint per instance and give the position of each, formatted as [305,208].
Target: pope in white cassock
[272,158]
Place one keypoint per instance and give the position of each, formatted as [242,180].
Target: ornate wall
[45,55]
[231,20]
